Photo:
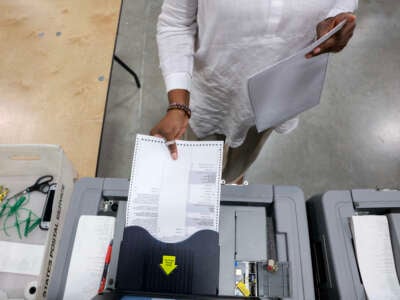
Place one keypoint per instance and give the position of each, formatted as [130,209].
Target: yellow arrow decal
[243,288]
[168,264]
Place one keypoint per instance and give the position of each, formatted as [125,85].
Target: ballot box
[262,249]
[335,265]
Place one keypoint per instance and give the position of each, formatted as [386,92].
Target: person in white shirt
[208,49]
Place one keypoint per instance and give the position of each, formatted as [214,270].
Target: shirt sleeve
[343,6]
[176,31]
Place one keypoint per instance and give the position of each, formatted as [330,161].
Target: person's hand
[171,128]
[339,40]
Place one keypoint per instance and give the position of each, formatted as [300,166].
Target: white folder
[290,86]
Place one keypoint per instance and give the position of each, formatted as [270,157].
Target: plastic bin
[20,167]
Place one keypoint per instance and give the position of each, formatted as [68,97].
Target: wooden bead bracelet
[182,107]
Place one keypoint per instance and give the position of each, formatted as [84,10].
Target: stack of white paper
[21,258]
[290,86]
[92,238]
[375,257]
[174,199]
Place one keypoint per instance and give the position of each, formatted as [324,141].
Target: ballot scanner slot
[149,265]
[333,244]
[365,202]
[319,249]
[92,195]
[381,202]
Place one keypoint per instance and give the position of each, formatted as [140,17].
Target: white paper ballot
[375,257]
[174,199]
[289,87]
[21,258]
[93,236]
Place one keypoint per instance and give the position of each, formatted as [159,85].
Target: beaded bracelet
[180,106]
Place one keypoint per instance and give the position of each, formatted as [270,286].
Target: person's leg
[240,180]
[191,136]
[236,161]
[239,159]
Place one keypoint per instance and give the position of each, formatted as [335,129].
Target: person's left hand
[340,39]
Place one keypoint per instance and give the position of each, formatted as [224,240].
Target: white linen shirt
[211,47]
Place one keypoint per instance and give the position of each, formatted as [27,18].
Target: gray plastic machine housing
[334,260]
[242,232]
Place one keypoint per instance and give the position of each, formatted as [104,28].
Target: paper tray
[196,260]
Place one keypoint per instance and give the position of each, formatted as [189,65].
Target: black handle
[41,185]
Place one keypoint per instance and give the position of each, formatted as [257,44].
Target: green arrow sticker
[168,264]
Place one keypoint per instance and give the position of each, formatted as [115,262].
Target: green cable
[4,207]
[17,226]
[29,211]
[34,225]
[27,223]
[16,206]
[15,209]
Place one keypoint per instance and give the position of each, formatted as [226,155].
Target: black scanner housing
[197,260]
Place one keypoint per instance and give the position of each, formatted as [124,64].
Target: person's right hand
[171,128]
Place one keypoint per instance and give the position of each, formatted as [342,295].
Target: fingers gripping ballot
[171,128]
[339,40]
[173,149]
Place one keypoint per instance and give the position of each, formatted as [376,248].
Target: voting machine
[334,259]
[257,223]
